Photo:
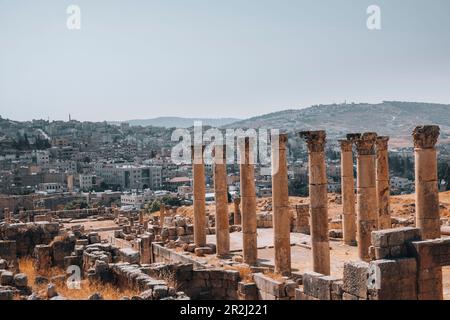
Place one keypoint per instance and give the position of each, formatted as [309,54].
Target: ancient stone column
[427,194]
[144,248]
[280,204]
[116,213]
[318,196]
[162,214]
[145,224]
[427,205]
[348,193]
[198,169]
[7,215]
[221,199]
[303,218]
[367,208]
[131,220]
[248,199]
[237,211]
[141,217]
[383,184]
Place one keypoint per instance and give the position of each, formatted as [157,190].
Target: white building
[51,187]
[136,200]
[131,176]
[401,183]
[87,181]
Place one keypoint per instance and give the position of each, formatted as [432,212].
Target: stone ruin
[168,257]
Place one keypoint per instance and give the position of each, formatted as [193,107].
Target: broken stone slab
[395,237]
[336,290]
[40,280]
[51,291]
[34,296]
[268,285]
[129,255]
[96,296]
[290,286]
[160,291]
[311,283]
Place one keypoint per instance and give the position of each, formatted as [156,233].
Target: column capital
[382,143]
[315,140]
[365,145]
[425,137]
[353,136]
[282,140]
[346,145]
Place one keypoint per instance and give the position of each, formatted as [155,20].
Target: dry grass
[108,291]
[275,276]
[244,272]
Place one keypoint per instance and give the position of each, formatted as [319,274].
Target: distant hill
[178,122]
[392,118]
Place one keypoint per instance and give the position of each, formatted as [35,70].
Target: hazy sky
[209,58]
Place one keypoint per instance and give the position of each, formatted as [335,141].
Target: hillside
[178,122]
[392,118]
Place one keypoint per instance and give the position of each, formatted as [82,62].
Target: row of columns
[373,191]
[372,210]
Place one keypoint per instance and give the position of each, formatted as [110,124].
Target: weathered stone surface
[6,278]
[324,287]
[160,291]
[201,251]
[129,255]
[348,296]
[20,280]
[6,293]
[355,278]
[311,283]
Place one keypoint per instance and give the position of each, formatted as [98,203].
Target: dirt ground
[401,206]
